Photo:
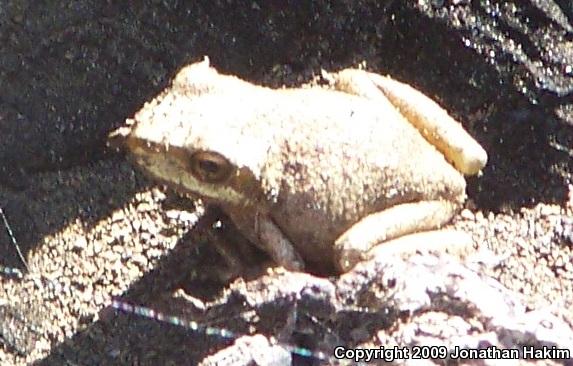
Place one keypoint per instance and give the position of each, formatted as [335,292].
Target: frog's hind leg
[384,232]
[433,122]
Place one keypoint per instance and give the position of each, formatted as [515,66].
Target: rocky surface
[448,306]
[92,228]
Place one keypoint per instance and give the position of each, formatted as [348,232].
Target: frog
[320,177]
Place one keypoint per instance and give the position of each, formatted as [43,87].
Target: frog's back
[340,158]
[351,143]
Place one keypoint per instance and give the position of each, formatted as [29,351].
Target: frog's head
[195,137]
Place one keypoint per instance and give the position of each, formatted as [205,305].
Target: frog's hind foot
[453,242]
[380,228]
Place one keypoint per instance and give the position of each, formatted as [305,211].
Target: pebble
[80,243]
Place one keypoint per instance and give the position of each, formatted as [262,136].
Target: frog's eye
[210,167]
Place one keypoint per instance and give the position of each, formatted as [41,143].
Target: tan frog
[315,177]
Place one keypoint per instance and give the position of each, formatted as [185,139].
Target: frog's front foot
[261,230]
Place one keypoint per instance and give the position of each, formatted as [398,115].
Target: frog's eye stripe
[213,331]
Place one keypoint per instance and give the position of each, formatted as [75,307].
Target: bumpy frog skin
[316,177]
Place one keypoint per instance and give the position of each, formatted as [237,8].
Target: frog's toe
[451,241]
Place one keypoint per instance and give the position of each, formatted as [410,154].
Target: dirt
[92,227]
